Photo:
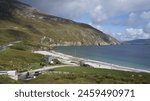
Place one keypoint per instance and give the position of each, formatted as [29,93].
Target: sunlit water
[135,56]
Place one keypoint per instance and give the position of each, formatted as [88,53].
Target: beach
[74,61]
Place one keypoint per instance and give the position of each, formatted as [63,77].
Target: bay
[134,56]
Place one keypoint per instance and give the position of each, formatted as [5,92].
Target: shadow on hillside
[32,29]
[6,9]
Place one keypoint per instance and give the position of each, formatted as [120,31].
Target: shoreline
[68,59]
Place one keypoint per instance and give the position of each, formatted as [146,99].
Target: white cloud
[119,36]
[132,33]
[107,9]
[133,18]
[98,15]
[147,28]
[146,15]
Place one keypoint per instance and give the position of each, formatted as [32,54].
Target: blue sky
[122,19]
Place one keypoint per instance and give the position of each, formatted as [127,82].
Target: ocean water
[135,56]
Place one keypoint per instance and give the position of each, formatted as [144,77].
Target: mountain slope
[20,21]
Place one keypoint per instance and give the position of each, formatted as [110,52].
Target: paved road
[23,76]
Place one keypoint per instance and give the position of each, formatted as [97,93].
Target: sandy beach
[68,59]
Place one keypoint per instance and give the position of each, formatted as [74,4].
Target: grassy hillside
[19,58]
[19,21]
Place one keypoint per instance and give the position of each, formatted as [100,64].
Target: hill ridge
[23,22]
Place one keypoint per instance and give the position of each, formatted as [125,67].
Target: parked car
[37,73]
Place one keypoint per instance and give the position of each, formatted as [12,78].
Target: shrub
[56,61]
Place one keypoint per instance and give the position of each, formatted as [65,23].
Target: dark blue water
[135,56]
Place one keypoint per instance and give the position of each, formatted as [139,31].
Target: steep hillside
[19,21]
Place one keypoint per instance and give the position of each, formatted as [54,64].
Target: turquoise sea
[135,56]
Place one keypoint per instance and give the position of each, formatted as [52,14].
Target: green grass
[19,59]
[32,30]
[7,80]
[82,75]
[59,79]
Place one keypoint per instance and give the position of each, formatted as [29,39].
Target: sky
[122,19]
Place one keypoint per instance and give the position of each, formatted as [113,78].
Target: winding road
[31,73]
[23,75]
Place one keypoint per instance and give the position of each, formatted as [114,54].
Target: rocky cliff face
[47,29]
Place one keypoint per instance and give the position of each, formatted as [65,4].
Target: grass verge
[81,75]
